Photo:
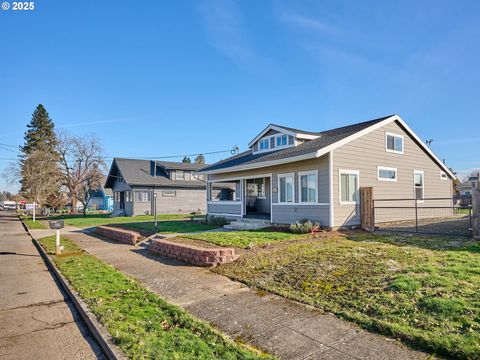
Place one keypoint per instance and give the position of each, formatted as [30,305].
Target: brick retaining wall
[192,254]
[122,235]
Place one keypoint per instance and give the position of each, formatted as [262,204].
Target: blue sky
[159,78]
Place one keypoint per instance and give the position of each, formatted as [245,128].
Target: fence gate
[427,216]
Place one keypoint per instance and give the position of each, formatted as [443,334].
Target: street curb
[98,331]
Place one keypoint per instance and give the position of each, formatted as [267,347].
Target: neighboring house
[289,174]
[136,183]
[466,188]
[101,199]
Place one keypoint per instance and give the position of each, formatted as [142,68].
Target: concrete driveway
[36,320]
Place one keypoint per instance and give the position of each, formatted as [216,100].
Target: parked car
[8,205]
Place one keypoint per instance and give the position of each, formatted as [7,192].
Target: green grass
[424,291]
[169,226]
[245,239]
[91,220]
[141,323]
[33,225]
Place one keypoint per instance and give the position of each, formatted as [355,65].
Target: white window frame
[348,172]
[387,134]
[279,176]
[387,169]
[177,172]
[306,173]
[280,137]
[443,175]
[267,141]
[149,196]
[423,186]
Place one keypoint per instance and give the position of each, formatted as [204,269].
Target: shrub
[304,226]
[217,221]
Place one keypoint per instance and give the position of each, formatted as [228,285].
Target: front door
[122,200]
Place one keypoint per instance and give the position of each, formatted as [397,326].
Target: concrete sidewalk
[271,323]
[36,321]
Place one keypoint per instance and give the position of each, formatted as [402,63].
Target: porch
[246,197]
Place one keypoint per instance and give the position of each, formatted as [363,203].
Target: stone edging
[196,255]
[98,331]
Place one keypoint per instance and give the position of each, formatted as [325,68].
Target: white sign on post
[31,207]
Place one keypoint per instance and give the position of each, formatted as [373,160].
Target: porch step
[247,224]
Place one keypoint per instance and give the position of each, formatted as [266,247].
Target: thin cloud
[306,22]
[224,25]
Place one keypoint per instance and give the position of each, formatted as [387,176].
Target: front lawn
[424,291]
[91,220]
[245,239]
[33,225]
[141,323]
[165,227]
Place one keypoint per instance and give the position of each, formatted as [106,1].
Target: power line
[7,149]
[12,146]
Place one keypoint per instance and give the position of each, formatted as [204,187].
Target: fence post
[476,208]
[367,209]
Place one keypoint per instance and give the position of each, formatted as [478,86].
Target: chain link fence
[440,216]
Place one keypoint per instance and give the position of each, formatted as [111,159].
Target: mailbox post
[57,225]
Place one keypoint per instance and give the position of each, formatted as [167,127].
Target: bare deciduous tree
[39,173]
[82,166]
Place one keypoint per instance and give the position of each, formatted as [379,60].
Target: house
[101,199]
[135,183]
[466,188]
[289,174]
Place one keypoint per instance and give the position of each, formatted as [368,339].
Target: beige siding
[287,214]
[368,152]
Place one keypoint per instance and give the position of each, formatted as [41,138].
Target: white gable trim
[378,125]
[299,135]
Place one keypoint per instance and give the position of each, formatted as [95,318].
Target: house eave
[263,164]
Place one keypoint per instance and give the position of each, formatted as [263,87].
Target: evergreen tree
[200,159]
[40,134]
[39,153]
[186,160]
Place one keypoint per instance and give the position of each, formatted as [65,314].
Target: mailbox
[56,224]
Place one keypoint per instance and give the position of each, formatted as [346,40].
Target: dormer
[276,137]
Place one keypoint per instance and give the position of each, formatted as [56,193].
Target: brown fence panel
[366,209]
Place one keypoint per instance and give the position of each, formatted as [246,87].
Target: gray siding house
[288,174]
[136,184]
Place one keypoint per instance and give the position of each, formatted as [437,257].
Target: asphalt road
[37,321]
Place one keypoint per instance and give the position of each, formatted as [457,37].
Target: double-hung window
[142,196]
[394,143]
[179,175]
[308,185]
[349,186]
[286,188]
[387,174]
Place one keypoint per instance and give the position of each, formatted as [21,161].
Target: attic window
[443,175]
[265,144]
[394,143]
[179,175]
[282,140]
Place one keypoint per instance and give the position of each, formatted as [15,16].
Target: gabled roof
[323,142]
[300,134]
[140,173]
